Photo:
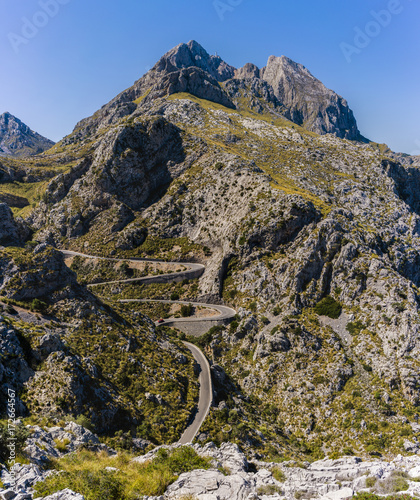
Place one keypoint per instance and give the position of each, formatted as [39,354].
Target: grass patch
[269,489]
[372,496]
[86,473]
[278,475]
[62,445]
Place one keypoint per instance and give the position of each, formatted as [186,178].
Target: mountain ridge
[189,68]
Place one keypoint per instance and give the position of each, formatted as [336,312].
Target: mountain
[288,89]
[308,231]
[17,139]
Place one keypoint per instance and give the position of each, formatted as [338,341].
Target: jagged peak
[9,121]
[249,70]
[192,54]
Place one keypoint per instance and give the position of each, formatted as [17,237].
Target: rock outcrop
[13,231]
[233,478]
[30,275]
[307,102]
[42,446]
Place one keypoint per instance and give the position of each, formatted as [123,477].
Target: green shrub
[276,311]
[396,482]
[370,482]
[38,306]
[233,326]
[328,306]
[319,379]
[371,496]
[62,445]
[355,327]
[181,460]
[174,296]
[84,422]
[187,310]
[20,433]
[92,484]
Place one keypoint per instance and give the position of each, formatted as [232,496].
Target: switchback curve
[225,313]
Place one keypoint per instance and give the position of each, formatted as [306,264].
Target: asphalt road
[206,395]
[206,387]
[224,312]
[193,270]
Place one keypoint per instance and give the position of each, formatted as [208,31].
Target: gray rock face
[193,54]
[249,71]
[307,101]
[41,446]
[47,344]
[40,275]
[14,369]
[9,231]
[17,139]
[194,81]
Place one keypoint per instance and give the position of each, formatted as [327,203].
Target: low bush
[355,327]
[328,306]
[38,306]
[19,433]
[395,483]
[187,310]
[370,496]
[62,445]
[370,482]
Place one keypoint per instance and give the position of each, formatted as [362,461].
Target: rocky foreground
[230,476]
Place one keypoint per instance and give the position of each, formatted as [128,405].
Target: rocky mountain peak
[248,71]
[17,139]
[283,88]
[192,54]
[12,125]
[308,102]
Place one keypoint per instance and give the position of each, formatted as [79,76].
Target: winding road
[224,312]
[192,271]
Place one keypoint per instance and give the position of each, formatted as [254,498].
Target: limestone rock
[9,229]
[66,494]
[307,101]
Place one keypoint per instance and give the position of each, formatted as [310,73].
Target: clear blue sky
[83,53]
